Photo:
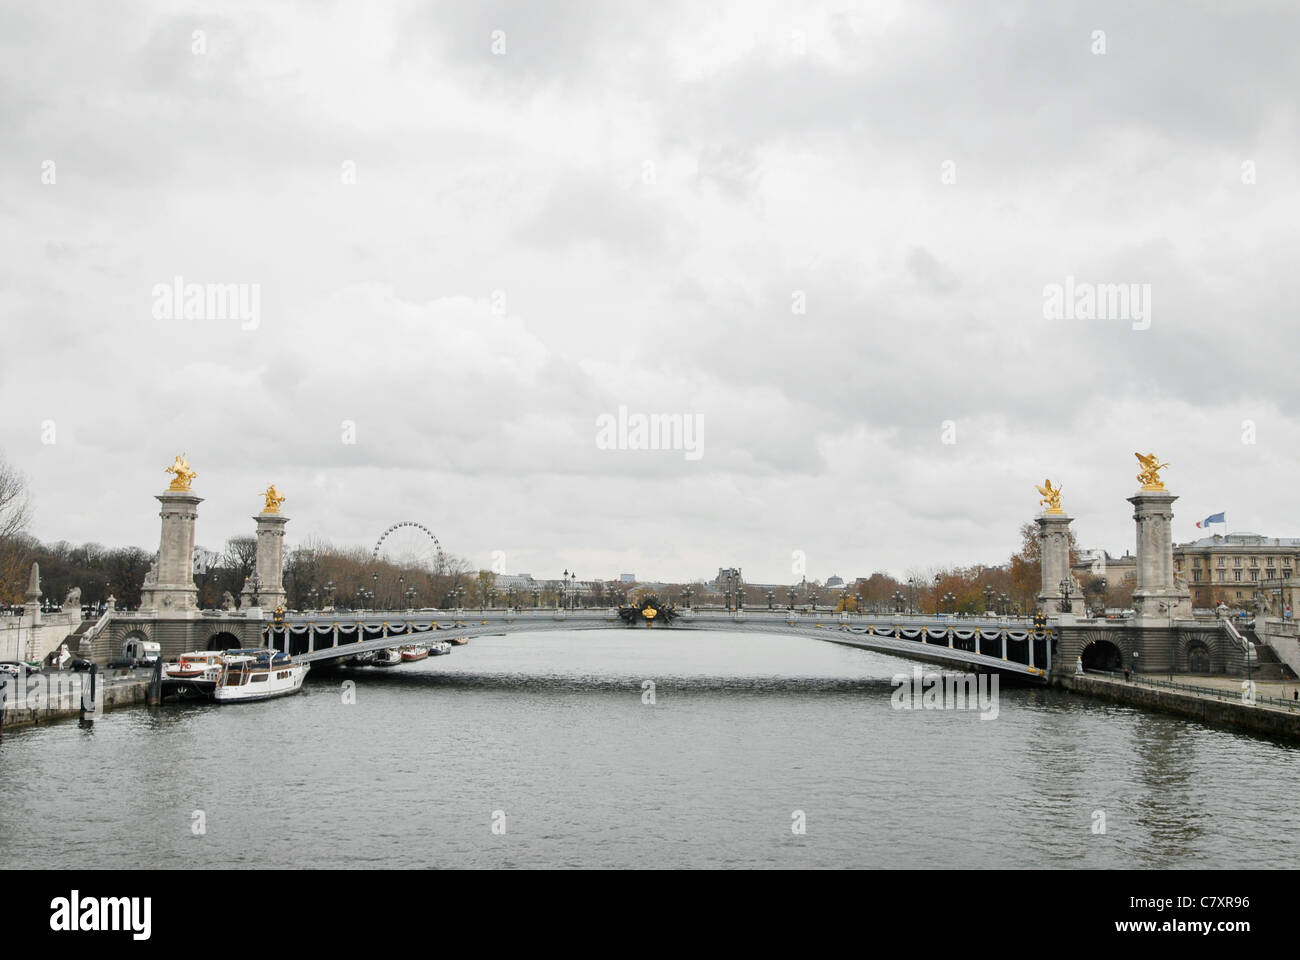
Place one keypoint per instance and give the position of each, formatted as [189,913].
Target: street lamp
[1066,589]
[989,594]
[911,592]
[938,579]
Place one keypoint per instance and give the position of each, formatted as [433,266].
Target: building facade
[1241,570]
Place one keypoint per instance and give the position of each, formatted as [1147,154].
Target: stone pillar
[33,606]
[270,559]
[169,586]
[1054,559]
[1158,593]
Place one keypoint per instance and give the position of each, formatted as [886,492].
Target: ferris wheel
[408,544]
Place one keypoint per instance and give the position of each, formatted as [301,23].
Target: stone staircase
[1268,666]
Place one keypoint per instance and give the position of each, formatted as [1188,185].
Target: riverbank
[64,695]
[1226,709]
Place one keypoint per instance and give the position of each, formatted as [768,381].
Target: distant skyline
[472,242]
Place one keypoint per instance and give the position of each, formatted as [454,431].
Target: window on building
[1196,575]
[1238,594]
[1254,561]
[1220,561]
[1254,575]
[1236,561]
[1220,576]
[1236,575]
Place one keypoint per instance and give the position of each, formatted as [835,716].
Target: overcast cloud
[629,206]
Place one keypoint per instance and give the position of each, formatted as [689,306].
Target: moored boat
[439,648]
[193,673]
[258,675]
[413,653]
[386,658]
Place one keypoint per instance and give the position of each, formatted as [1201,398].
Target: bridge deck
[989,644]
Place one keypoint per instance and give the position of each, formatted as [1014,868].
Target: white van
[142,651]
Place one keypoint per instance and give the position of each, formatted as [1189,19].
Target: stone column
[1158,593]
[1054,559]
[169,587]
[270,559]
[33,606]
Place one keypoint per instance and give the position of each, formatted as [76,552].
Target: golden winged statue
[1150,473]
[182,475]
[1051,497]
[273,499]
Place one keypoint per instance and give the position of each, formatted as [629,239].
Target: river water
[549,740]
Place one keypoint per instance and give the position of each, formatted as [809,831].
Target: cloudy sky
[823,231]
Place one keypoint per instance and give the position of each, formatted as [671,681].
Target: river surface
[549,738]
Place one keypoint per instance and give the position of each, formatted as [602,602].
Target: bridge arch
[133,644]
[223,640]
[1102,654]
[1199,659]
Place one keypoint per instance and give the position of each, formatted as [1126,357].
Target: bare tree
[15,513]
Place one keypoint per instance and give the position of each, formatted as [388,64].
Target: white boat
[258,675]
[193,673]
[439,648]
[390,657]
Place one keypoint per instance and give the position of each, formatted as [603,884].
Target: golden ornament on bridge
[1150,473]
[273,500]
[1051,497]
[183,476]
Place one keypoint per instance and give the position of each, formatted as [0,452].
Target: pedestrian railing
[1217,692]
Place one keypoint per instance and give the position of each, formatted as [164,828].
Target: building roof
[1219,541]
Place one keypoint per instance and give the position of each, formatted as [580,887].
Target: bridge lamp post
[401,583]
[938,579]
[771,596]
[410,598]
[949,598]
[1004,603]
[911,594]
[689,592]
[989,594]
[792,598]
[536,597]
[1066,589]
[329,589]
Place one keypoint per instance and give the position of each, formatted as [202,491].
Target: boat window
[259,678]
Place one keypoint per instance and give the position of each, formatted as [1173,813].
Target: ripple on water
[552,731]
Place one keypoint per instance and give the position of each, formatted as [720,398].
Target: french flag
[1214,518]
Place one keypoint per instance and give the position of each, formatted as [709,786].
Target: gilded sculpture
[1149,476]
[1051,497]
[273,499]
[182,475]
